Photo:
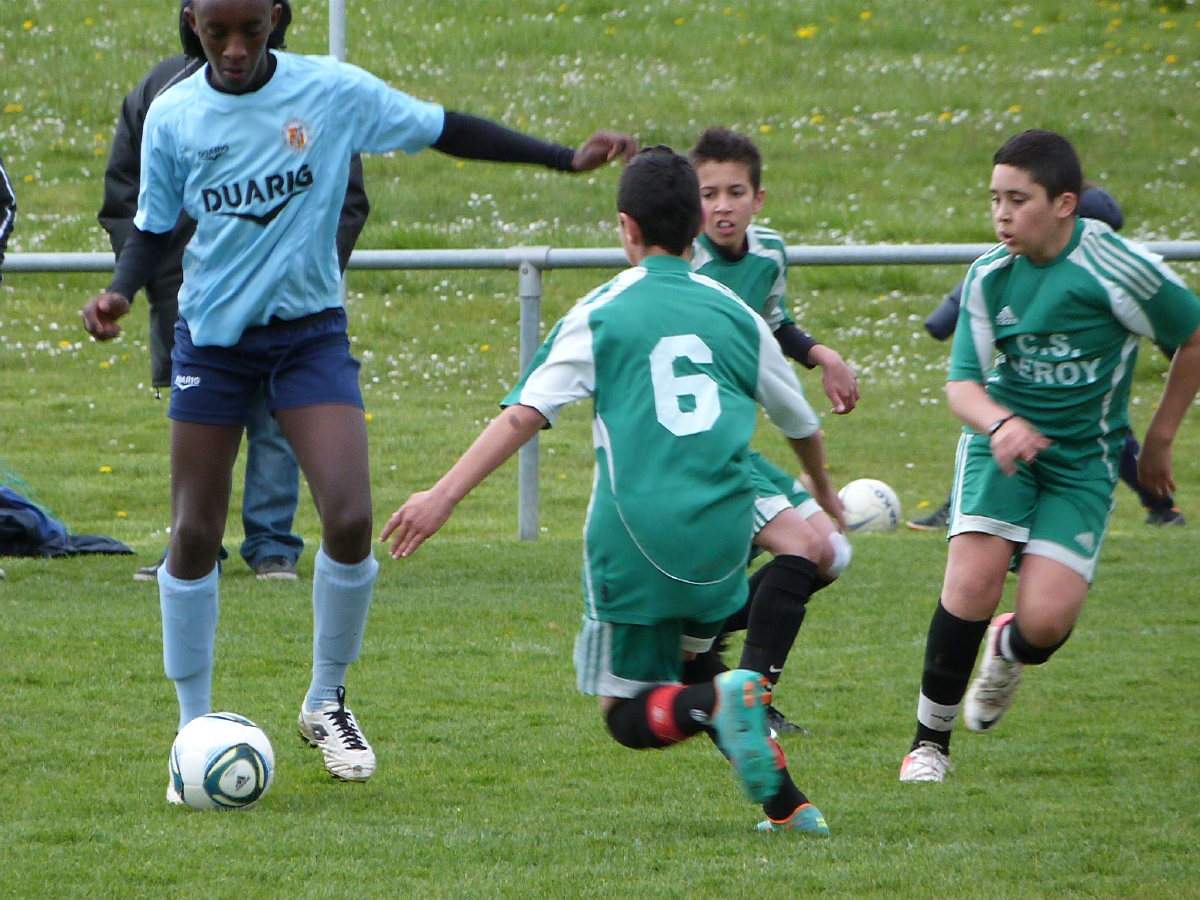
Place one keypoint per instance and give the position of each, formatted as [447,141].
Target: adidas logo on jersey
[1006,317]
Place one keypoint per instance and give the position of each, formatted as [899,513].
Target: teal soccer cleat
[740,721]
[806,818]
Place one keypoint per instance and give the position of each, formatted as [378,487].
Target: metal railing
[530,262]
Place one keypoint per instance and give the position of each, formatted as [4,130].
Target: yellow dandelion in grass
[1039,29]
[1171,59]
[945,115]
[99,55]
[64,345]
[121,514]
[1167,25]
[728,10]
[1014,109]
[106,470]
[1113,24]
[1018,23]
[27,24]
[459,164]
[14,107]
[681,20]
[962,48]
[816,119]
[105,364]
[89,21]
[806,32]
[562,8]
[866,15]
[369,417]
[484,348]
[28,179]
[610,30]
[764,128]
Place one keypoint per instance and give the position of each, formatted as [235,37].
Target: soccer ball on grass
[870,505]
[221,761]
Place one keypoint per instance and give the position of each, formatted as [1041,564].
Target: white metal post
[529,288]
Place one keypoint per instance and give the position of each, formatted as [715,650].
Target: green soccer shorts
[776,490]
[1058,507]
[614,659]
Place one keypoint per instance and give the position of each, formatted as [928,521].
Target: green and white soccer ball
[221,761]
[870,505]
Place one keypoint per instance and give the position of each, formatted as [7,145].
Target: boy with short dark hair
[674,364]
[1040,375]
[802,530]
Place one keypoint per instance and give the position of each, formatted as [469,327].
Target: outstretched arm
[472,137]
[426,511]
[1183,381]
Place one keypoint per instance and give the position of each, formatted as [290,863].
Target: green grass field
[496,778]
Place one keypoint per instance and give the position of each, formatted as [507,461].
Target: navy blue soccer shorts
[301,362]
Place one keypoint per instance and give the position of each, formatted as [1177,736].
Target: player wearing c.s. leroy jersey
[255,147]
[1040,371]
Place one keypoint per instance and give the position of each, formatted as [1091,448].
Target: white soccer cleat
[926,762]
[334,730]
[991,692]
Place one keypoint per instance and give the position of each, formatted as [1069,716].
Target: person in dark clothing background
[271,491]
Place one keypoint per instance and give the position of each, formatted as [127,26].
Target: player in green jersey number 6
[1040,373]
[676,366]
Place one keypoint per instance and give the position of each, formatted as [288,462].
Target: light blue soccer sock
[341,599]
[189,624]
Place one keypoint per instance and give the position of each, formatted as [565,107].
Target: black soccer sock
[776,613]
[1016,648]
[705,667]
[661,715]
[789,797]
[950,651]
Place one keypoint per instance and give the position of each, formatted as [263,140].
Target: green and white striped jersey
[1057,343]
[676,365]
[759,277]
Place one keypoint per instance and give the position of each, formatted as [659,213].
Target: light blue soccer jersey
[264,176]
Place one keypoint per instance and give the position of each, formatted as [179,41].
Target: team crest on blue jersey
[295,134]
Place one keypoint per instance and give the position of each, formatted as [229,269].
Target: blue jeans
[272,489]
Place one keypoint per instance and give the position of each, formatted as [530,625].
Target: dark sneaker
[150,572]
[779,724]
[1169,516]
[275,568]
[935,521]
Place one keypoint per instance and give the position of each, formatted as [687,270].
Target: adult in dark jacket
[272,475]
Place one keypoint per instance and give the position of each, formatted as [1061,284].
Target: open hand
[413,523]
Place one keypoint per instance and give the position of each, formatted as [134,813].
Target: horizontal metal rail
[530,262]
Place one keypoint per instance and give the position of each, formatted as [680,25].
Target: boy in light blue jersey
[676,366]
[255,147]
[1040,371]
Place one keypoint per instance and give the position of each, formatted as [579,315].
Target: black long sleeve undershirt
[139,260]
[795,342]
[470,137]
